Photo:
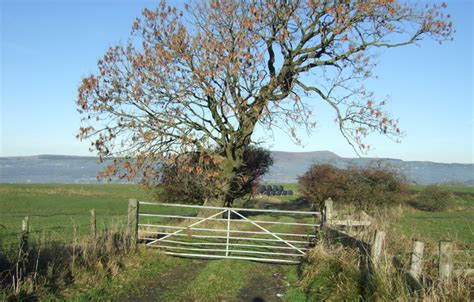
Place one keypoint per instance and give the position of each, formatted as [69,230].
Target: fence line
[448,266]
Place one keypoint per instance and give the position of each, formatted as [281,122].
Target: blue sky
[48,46]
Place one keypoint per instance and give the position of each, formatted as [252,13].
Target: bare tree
[202,80]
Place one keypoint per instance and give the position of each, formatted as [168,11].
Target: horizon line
[299,152]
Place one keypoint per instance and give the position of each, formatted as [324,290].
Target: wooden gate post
[445,260]
[93,224]
[377,247]
[132,222]
[327,212]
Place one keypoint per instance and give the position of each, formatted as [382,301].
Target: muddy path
[170,285]
[265,286]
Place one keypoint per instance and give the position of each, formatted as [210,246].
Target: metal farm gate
[280,236]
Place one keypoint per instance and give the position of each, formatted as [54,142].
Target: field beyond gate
[266,235]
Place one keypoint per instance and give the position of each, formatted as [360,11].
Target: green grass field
[454,188]
[432,227]
[56,210]
[456,224]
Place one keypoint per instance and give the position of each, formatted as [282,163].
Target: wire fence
[43,230]
[43,215]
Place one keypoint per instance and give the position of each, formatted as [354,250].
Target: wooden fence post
[93,224]
[377,247]
[24,235]
[445,260]
[20,266]
[416,262]
[416,259]
[133,221]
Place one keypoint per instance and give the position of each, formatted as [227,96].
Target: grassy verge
[140,271]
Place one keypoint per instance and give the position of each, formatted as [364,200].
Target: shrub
[321,182]
[177,185]
[433,199]
[364,188]
[373,186]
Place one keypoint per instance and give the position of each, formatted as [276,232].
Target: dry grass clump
[336,273]
[47,268]
[331,273]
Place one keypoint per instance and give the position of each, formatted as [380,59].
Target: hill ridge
[52,168]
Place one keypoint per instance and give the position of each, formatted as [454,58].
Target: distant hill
[50,169]
[286,168]
[289,165]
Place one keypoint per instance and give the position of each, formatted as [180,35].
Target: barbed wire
[39,230]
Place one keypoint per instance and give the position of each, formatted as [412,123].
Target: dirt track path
[167,284]
[264,285]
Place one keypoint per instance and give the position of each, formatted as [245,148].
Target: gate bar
[229,251]
[218,237]
[223,208]
[179,231]
[228,233]
[231,244]
[233,220]
[230,257]
[219,230]
[276,236]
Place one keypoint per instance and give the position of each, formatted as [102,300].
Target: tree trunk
[209,212]
[227,181]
